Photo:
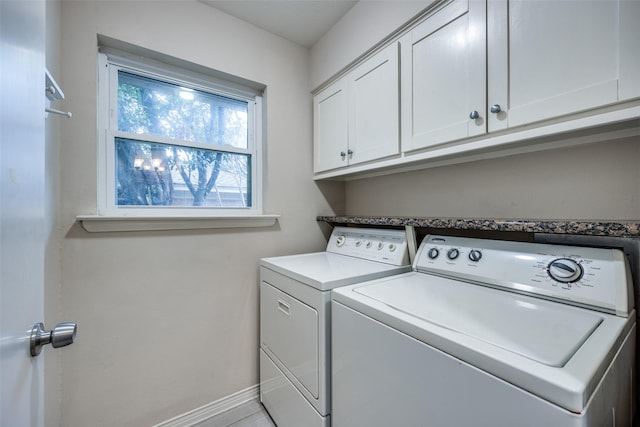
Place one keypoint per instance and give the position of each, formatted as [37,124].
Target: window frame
[109,63]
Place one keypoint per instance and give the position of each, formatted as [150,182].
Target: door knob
[474,115]
[62,335]
[495,109]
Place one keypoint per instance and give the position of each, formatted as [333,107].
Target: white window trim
[100,223]
[118,218]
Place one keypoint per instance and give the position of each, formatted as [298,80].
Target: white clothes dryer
[295,318]
[488,333]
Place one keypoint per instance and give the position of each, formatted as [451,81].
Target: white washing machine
[488,333]
[295,318]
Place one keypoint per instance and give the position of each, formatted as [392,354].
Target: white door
[374,107]
[330,127]
[551,58]
[444,76]
[21,209]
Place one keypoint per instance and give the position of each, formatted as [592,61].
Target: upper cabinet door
[444,76]
[331,133]
[551,58]
[629,49]
[374,109]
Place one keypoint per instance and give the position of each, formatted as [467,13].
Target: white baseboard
[207,411]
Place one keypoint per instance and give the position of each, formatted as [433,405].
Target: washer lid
[326,270]
[540,330]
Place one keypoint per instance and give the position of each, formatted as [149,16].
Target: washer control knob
[475,255]
[453,253]
[368,244]
[433,253]
[565,270]
[340,241]
[358,243]
[392,247]
[380,246]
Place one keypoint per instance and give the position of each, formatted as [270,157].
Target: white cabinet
[514,62]
[551,58]
[356,119]
[374,116]
[480,78]
[330,127]
[444,76]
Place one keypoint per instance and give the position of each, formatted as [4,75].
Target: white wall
[168,321]
[598,181]
[366,24]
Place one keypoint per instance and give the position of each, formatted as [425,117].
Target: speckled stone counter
[573,227]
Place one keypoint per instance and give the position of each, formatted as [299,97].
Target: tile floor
[250,414]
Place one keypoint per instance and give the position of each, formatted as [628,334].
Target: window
[175,142]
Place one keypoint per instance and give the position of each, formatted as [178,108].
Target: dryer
[295,317]
[488,333]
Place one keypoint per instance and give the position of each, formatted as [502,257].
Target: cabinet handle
[495,109]
[349,151]
[343,154]
[474,115]
[284,307]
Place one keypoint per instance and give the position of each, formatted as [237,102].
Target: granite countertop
[576,227]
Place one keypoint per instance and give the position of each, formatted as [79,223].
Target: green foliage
[148,106]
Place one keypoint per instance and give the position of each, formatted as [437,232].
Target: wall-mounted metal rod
[62,113]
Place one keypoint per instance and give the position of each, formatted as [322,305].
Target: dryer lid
[546,332]
[326,270]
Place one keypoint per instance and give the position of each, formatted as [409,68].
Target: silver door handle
[63,334]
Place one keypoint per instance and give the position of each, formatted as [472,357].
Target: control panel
[381,245]
[593,277]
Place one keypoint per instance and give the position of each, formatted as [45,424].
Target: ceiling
[300,21]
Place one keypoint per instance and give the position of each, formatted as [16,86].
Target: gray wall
[597,181]
[168,321]
[360,29]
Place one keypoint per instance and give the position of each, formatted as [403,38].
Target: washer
[295,318]
[488,333]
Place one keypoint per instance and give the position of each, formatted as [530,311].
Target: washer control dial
[565,270]
[453,253]
[433,253]
[340,240]
[475,255]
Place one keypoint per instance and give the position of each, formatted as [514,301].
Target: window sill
[101,224]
